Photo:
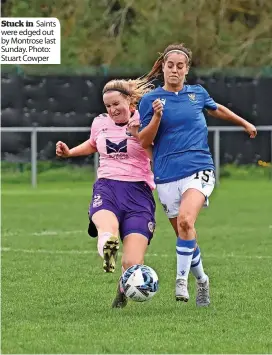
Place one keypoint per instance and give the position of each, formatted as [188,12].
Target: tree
[130,33]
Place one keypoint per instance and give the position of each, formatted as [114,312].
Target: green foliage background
[130,33]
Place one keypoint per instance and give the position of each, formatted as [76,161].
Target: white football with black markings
[140,283]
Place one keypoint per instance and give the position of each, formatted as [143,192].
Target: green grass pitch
[57,299]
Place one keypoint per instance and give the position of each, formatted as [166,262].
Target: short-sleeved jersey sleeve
[209,103]
[94,132]
[146,112]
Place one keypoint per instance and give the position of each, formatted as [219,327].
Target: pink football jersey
[121,156]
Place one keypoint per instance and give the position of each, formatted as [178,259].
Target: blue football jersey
[181,144]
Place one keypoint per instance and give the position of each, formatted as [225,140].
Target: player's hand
[134,124]
[62,150]
[134,121]
[251,130]
[158,108]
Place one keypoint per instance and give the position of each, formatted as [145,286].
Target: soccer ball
[140,283]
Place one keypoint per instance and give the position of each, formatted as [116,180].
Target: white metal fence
[35,130]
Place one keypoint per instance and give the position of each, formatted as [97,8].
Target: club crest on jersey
[163,101]
[192,97]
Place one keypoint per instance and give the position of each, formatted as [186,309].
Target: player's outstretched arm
[224,113]
[62,150]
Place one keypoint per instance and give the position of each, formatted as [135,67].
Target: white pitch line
[82,252]
[58,232]
[44,251]
[43,233]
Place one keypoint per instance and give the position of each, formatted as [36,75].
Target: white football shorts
[170,193]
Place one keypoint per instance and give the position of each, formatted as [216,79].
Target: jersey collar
[184,89]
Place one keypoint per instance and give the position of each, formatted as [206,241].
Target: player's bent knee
[185,225]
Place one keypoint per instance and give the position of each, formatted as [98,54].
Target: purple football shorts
[131,202]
